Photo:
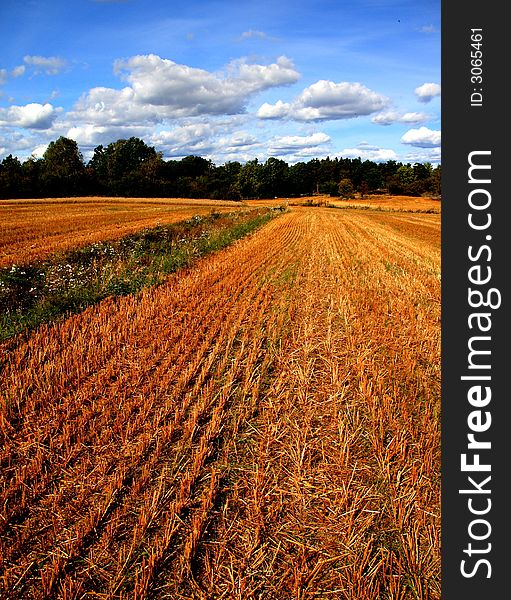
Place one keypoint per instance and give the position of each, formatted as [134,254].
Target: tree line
[129,167]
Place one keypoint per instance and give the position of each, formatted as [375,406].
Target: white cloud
[162,91]
[31,116]
[422,138]
[21,143]
[253,34]
[427,91]
[158,92]
[294,142]
[428,29]
[39,151]
[255,78]
[239,141]
[366,151]
[49,65]
[187,139]
[327,100]
[18,71]
[111,108]
[432,155]
[176,90]
[278,110]
[409,118]
[209,139]
[89,135]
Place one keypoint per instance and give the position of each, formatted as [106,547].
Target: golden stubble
[263,425]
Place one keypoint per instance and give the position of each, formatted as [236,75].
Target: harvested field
[372,201]
[392,203]
[34,229]
[263,425]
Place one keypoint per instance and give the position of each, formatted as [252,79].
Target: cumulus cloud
[157,92]
[278,110]
[422,138]
[39,150]
[427,91]
[111,108]
[409,118]
[89,135]
[327,100]
[294,142]
[239,141]
[367,151]
[49,65]
[182,91]
[210,140]
[3,76]
[160,91]
[31,116]
[184,140]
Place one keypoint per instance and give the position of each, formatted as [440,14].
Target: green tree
[63,169]
[32,169]
[149,177]
[194,166]
[345,189]
[11,177]
[435,181]
[405,175]
[422,171]
[329,188]
[223,181]
[363,188]
[249,179]
[116,165]
[300,180]
[371,175]
[273,176]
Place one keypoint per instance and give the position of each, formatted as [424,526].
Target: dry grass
[35,229]
[265,425]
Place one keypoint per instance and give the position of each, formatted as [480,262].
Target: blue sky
[227,80]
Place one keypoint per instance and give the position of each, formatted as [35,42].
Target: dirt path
[264,425]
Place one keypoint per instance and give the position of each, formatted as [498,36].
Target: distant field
[265,424]
[34,229]
[400,203]
[383,202]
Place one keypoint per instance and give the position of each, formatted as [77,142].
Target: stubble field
[263,425]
